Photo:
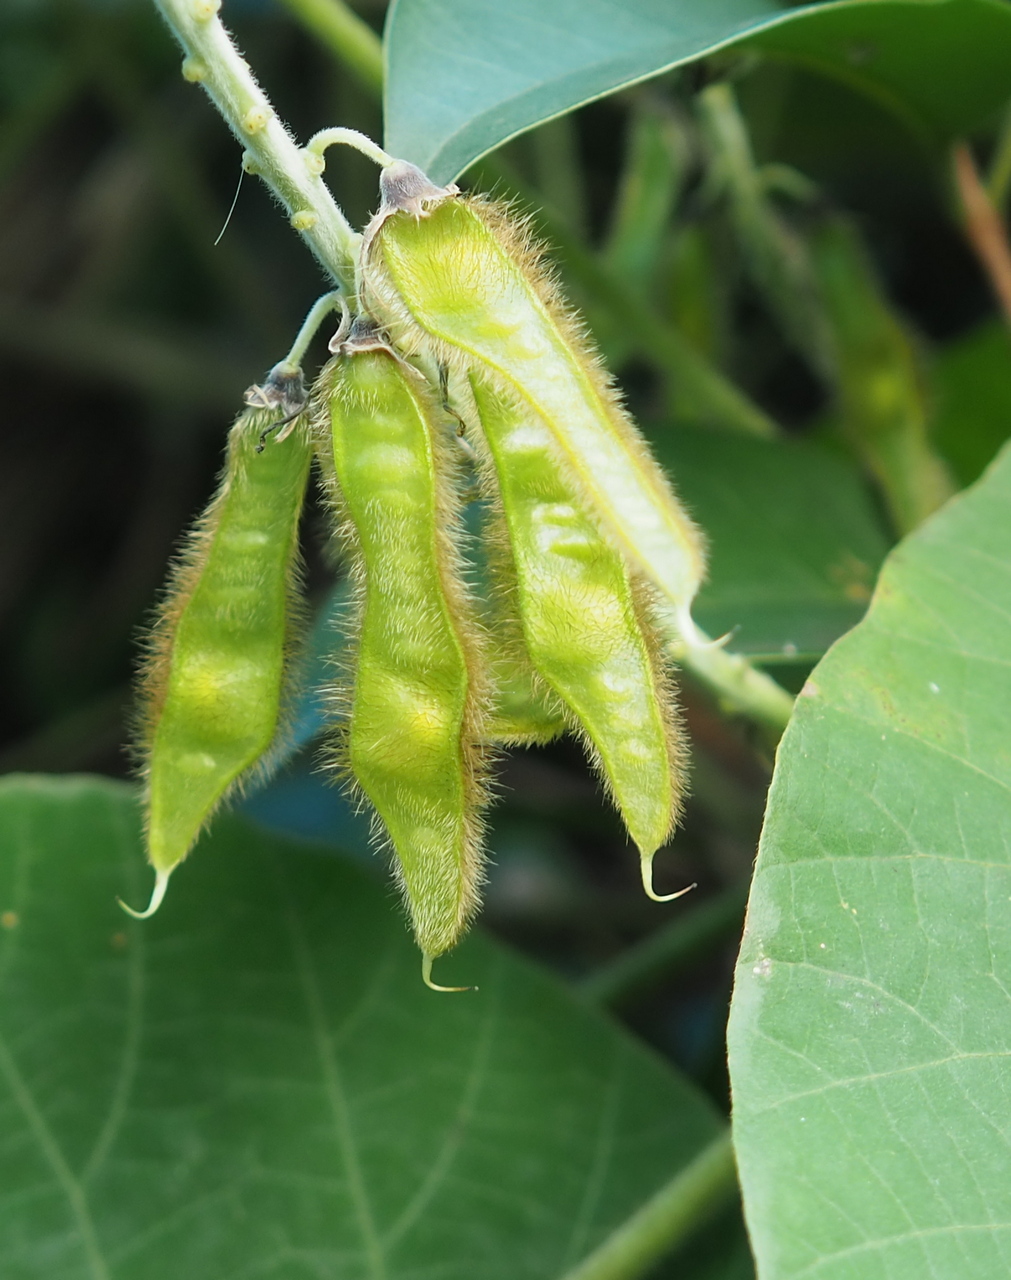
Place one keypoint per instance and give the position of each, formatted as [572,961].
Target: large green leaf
[463,76]
[256,1083]
[794,541]
[870,1034]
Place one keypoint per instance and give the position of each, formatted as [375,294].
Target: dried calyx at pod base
[460,373]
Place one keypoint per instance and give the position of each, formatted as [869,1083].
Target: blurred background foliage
[745,217]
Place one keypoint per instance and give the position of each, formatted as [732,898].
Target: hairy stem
[668,1219]
[270,151]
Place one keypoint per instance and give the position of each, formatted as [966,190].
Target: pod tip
[646,867]
[157,894]
[426,977]
[688,630]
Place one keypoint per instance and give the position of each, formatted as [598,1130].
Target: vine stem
[667,1219]
[319,142]
[739,686]
[213,61]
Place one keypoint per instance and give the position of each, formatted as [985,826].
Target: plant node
[194,70]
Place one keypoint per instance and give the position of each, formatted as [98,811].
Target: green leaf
[871,1025]
[794,541]
[464,76]
[256,1082]
[972,390]
[942,68]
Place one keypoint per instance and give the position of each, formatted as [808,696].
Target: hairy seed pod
[522,710]
[459,278]
[411,740]
[212,689]
[587,633]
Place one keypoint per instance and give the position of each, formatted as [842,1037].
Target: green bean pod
[411,741]
[585,624]
[213,686]
[522,710]
[459,279]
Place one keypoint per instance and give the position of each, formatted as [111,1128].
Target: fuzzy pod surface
[523,710]
[213,687]
[585,624]
[459,277]
[412,738]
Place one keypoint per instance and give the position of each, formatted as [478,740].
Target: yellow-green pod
[585,626]
[411,739]
[212,689]
[522,711]
[460,278]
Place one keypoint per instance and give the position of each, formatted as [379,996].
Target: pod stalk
[318,312]
[319,142]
